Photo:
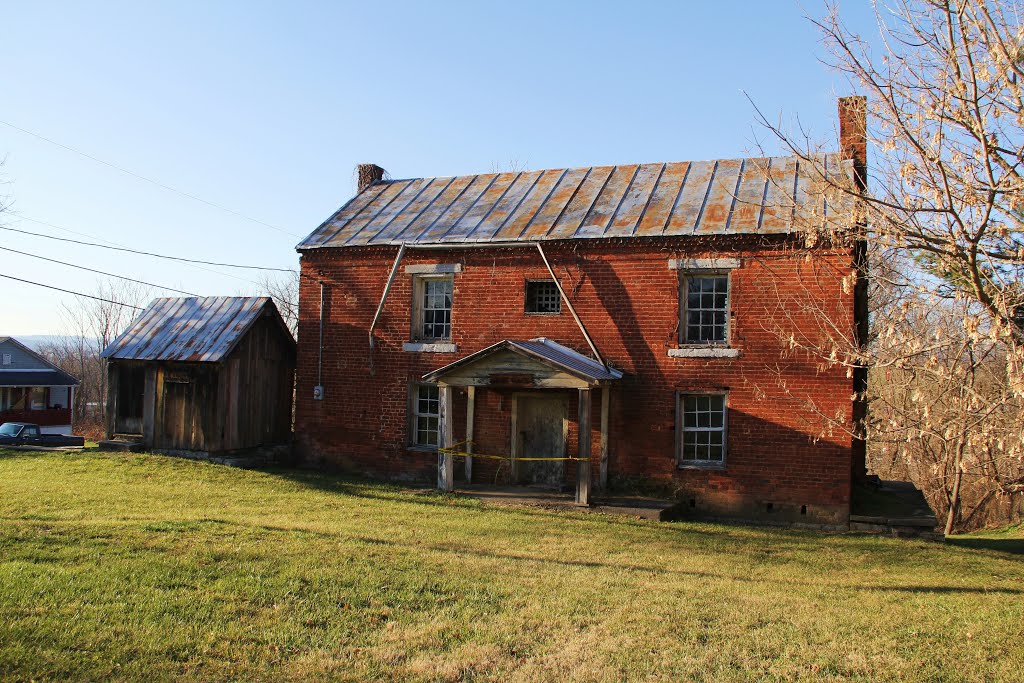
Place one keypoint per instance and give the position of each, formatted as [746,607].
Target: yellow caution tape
[451,450]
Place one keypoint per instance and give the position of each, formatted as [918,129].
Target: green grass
[147,567]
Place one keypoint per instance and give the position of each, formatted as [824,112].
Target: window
[705,308]
[16,399]
[425,413]
[6,359]
[702,435]
[37,398]
[432,313]
[542,297]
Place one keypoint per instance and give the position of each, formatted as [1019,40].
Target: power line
[148,180]
[22,217]
[93,270]
[145,253]
[68,291]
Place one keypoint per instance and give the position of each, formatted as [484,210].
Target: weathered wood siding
[259,377]
[187,414]
[242,402]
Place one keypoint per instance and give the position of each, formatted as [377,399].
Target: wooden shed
[202,375]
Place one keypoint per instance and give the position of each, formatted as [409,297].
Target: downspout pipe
[576,317]
[320,356]
[387,288]
[481,245]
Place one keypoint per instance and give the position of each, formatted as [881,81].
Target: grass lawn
[148,567]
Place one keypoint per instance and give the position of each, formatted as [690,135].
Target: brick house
[635,322]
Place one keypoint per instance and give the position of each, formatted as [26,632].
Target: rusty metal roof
[731,196]
[546,350]
[197,329]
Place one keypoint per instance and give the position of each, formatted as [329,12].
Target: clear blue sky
[266,108]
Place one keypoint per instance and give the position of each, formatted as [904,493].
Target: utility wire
[145,253]
[148,180]
[22,217]
[68,291]
[93,270]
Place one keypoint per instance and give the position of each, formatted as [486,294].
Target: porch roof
[36,378]
[540,362]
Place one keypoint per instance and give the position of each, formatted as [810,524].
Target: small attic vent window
[542,297]
[7,359]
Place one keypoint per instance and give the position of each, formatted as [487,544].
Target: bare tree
[944,213]
[90,325]
[284,290]
[513,165]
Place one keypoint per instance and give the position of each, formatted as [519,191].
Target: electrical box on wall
[318,393]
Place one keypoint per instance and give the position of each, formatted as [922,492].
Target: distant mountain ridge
[37,342]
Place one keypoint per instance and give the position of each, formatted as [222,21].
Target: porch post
[445,462]
[605,402]
[583,451]
[470,409]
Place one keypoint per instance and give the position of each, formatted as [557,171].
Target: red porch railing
[49,417]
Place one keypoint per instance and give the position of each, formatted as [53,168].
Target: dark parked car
[27,434]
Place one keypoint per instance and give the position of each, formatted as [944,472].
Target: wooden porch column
[583,451]
[470,409]
[111,398]
[445,462]
[605,403]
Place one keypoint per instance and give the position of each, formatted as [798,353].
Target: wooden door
[541,423]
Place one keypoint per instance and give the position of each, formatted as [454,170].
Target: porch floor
[895,508]
[628,506]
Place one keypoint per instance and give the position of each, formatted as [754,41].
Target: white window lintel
[431,268]
[704,263]
[420,347]
[704,352]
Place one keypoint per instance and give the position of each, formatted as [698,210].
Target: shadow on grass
[761,542]
[417,493]
[1013,546]
[168,526]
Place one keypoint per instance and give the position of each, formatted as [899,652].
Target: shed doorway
[542,431]
[131,389]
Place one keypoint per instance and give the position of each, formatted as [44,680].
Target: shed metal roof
[545,350]
[730,196]
[203,329]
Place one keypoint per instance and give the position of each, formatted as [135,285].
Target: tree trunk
[954,500]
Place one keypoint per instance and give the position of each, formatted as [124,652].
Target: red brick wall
[780,450]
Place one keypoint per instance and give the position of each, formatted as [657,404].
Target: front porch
[541,378]
[640,507]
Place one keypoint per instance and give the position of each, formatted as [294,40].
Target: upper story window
[6,359]
[432,312]
[542,297]
[705,304]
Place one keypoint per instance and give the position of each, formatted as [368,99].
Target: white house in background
[32,389]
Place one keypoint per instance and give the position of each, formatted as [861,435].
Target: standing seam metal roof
[730,196]
[203,329]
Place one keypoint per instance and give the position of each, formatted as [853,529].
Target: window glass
[435,308]
[706,307]
[37,398]
[703,428]
[426,414]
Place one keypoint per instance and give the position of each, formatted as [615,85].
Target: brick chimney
[853,135]
[369,174]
